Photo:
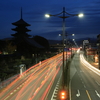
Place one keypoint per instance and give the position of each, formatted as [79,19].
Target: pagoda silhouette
[24,43]
[21,28]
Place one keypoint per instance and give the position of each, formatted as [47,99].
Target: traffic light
[63,95]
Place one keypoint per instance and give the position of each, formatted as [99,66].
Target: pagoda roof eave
[15,29]
[21,22]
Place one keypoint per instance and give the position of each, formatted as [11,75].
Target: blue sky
[34,11]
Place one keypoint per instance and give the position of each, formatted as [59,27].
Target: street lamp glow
[59,34]
[80,15]
[63,33]
[73,34]
[47,15]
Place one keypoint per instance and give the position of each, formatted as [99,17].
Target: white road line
[56,87]
[78,94]
[83,83]
[55,90]
[54,96]
[97,83]
[84,86]
[97,94]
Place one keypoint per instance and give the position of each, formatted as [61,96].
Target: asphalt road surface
[36,83]
[85,80]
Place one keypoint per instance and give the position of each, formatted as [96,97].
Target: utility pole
[63,32]
[99,54]
[98,39]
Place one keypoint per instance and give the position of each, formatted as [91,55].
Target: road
[37,82]
[85,80]
[40,81]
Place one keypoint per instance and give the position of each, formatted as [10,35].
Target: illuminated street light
[69,15]
[59,34]
[67,34]
[81,15]
[75,43]
[73,34]
[63,33]
[67,44]
[47,15]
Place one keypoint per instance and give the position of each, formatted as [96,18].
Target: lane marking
[84,86]
[88,95]
[97,94]
[83,83]
[78,94]
[97,83]
[56,89]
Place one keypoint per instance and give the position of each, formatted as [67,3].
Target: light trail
[23,91]
[39,77]
[49,86]
[88,65]
[36,82]
[52,75]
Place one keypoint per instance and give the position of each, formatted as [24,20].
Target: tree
[10,48]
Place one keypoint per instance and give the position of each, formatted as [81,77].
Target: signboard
[91,52]
[85,42]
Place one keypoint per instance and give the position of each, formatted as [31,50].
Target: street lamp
[80,15]
[73,34]
[47,15]
[63,33]
[67,44]
[75,43]
[70,44]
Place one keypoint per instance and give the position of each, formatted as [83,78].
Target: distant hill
[55,41]
[78,41]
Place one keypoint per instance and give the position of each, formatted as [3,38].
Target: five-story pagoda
[21,28]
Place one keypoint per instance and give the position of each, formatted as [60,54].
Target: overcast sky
[34,11]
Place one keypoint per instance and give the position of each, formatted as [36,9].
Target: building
[25,44]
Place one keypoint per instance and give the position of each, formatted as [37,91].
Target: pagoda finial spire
[21,12]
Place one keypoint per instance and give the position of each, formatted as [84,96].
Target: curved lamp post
[63,33]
